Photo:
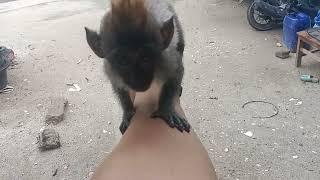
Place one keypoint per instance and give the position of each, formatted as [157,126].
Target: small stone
[282,54]
[226,150]
[109,122]
[249,134]
[65,167]
[55,172]
[49,139]
[213,98]
[20,124]
[56,111]
[90,174]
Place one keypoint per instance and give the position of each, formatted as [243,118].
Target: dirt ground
[227,64]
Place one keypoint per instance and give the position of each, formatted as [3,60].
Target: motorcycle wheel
[258,20]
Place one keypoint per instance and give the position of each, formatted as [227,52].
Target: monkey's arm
[166,110]
[127,106]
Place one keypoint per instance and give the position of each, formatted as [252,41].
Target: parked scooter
[264,15]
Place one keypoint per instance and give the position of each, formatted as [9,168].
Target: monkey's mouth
[140,86]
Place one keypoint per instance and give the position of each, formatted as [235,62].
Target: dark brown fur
[142,42]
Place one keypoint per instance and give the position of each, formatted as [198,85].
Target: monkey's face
[136,66]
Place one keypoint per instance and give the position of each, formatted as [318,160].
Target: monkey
[141,42]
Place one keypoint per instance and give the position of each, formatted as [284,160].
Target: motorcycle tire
[253,23]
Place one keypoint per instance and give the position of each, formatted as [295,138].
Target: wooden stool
[304,38]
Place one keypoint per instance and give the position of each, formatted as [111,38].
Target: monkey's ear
[94,42]
[167,32]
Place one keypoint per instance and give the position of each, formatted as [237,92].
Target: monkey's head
[132,42]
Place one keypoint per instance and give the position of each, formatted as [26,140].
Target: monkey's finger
[178,123]
[186,125]
[167,119]
[170,121]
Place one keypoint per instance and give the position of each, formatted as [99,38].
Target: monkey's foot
[126,121]
[173,120]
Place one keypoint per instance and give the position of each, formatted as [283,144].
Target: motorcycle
[264,15]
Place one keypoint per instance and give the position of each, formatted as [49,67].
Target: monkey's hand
[126,119]
[173,119]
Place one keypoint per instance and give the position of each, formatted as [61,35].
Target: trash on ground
[295,157]
[293,99]
[6,53]
[214,98]
[90,174]
[279,44]
[276,109]
[282,54]
[75,89]
[298,103]
[48,139]
[226,150]
[6,56]
[249,133]
[6,90]
[309,78]
[56,110]
[79,61]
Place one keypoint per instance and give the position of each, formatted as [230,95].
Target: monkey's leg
[166,111]
[128,108]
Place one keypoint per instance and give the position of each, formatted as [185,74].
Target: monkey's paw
[173,120]
[126,121]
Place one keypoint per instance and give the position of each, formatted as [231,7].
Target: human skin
[151,150]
